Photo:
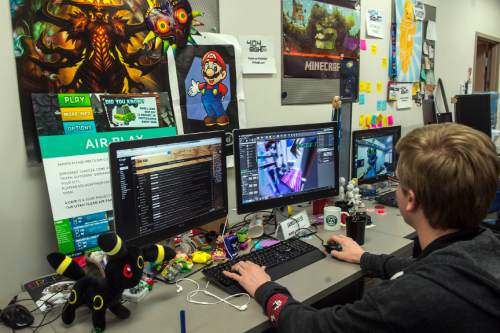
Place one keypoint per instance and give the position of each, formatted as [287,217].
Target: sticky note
[383,105]
[374,120]
[368,87]
[379,86]
[362,86]
[361,99]
[414,88]
[378,106]
[362,120]
[385,63]
[362,44]
[373,49]
[367,123]
[390,120]
[385,121]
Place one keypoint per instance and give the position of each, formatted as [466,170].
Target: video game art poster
[85,46]
[317,35]
[74,133]
[207,79]
[409,34]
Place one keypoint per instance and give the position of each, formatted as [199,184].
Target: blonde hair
[453,171]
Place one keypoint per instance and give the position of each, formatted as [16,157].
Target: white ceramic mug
[331,218]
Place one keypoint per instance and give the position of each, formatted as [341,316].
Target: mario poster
[207,86]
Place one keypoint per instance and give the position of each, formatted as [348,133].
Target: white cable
[193,293]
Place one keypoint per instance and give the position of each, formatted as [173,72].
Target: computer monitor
[374,154]
[165,186]
[279,166]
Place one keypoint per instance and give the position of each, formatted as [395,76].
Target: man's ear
[223,74]
[411,201]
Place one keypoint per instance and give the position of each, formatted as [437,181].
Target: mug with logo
[331,217]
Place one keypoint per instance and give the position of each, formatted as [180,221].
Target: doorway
[486,63]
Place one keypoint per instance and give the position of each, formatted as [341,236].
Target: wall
[458,22]
[26,231]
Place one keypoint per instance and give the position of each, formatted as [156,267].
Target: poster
[408,53]
[210,95]
[82,46]
[258,55]
[317,35]
[74,133]
[375,23]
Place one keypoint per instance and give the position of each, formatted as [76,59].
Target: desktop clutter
[124,270]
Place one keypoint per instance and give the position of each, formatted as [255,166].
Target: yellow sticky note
[385,121]
[373,49]
[415,88]
[385,63]
[368,86]
[361,120]
[379,86]
[362,86]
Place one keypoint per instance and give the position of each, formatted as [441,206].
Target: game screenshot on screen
[373,155]
[283,164]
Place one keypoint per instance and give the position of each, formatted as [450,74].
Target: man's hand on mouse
[249,275]
[351,251]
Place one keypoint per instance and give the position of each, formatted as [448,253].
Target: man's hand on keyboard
[250,276]
[351,251]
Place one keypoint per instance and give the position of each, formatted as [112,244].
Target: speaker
[474,111]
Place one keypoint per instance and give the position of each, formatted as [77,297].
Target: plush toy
[123,271]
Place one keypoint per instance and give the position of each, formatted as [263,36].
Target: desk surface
[160,311]
[391,223]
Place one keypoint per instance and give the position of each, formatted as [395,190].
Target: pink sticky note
[362,44]
[390,120]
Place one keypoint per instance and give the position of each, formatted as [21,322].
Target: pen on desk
[183,321]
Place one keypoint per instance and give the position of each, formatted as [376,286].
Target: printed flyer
[74,133]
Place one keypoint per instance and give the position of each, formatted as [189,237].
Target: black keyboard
[280,260]
[387,199]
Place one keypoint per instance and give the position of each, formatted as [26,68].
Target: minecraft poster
[74,133]
[101,46]
[317,35]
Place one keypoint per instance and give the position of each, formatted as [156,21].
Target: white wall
[458,22]
[26,231]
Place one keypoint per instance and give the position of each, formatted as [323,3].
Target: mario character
[212,90]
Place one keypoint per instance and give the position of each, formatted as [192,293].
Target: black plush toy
[123,271]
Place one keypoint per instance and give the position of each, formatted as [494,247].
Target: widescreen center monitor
[374,154]
[279,166]
[163,187]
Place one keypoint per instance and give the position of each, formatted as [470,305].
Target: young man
[448,176]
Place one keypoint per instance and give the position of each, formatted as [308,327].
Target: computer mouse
[329,247]
[16,316]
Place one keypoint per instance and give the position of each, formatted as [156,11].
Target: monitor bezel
[186,225]
[395,131]
[289,200]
